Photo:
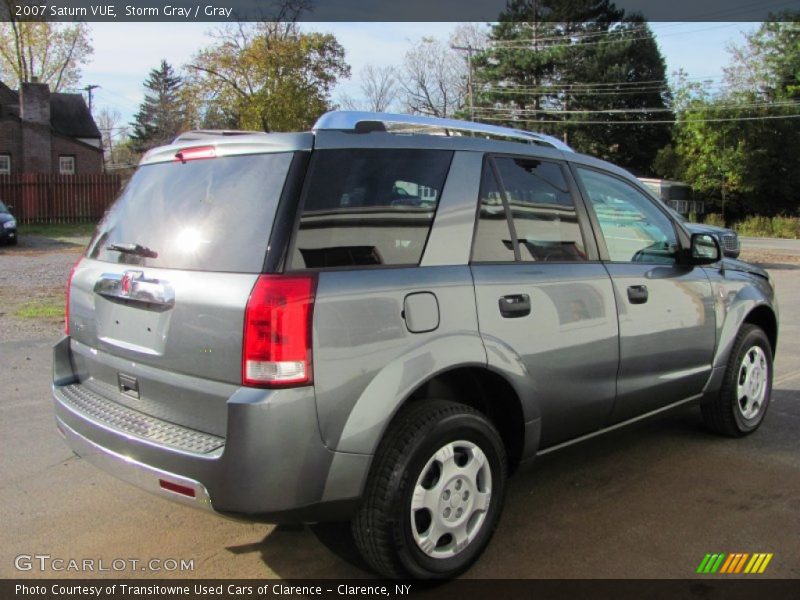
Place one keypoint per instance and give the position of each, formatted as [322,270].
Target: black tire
[724,414]
[13,242]
[382,527]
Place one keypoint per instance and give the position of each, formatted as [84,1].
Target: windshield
[212,215]
[3,208]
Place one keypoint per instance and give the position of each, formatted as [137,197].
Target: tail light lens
[276,349]
[67,294]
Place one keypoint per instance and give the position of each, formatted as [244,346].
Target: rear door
[545,302]
[157,305]
[666,311]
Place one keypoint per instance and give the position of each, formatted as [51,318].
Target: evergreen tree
[554,65]
[162,115]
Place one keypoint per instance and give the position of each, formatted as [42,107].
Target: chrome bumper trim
[134,472]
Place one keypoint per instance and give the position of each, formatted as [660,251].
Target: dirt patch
[771,259]
[33,277]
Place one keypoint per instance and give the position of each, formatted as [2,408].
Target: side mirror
[704,249]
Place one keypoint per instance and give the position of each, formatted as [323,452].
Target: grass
[58,230]
[41,309]
[779,227]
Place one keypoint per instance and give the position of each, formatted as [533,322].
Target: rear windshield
[369,207]
[210,215]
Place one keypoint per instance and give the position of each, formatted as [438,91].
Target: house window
[5,164]
[66,165]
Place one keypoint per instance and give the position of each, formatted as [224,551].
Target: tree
[50,53]
[378,90]
[576,70]
[433,79]
[108,120]
[739,147]
[162,115]
[268,76]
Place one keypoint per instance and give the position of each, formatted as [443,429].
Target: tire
[456,454]
[742,402]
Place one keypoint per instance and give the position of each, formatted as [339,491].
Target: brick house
[42,132]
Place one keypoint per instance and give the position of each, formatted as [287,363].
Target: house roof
[69,114]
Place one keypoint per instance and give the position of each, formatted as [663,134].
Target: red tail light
[66,300]
[276,351]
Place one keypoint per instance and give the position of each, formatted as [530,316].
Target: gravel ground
[34,271]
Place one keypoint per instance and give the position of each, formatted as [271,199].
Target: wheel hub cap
[751,388]
[450,500]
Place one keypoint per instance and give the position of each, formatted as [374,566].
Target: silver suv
[380,319]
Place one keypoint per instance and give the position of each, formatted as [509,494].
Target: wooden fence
[47,198]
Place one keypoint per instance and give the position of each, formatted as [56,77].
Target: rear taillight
[66,299]
[276,351]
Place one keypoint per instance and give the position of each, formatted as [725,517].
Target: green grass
[40,309]
[58,230]
[779,227]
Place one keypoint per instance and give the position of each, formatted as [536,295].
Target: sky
[124,53]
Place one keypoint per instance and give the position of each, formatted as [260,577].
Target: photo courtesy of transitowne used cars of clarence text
[375,322]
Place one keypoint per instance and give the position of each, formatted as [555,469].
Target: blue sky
[124,53]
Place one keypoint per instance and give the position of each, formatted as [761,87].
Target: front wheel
[435,492]
[742,402]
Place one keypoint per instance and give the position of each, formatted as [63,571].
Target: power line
[511,118]
[643,110]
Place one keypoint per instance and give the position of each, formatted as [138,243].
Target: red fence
[46,198]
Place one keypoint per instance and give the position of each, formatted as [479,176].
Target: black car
[727,238]
[8,226]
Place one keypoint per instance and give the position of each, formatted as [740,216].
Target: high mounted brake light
[276,350]
[196,153]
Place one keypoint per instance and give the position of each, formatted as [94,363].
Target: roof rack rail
[202,134]
[364,121]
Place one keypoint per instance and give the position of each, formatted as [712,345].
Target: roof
[69,114]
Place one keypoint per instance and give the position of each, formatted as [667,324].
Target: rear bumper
[272,466]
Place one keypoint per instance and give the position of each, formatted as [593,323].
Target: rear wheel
[435,492]
[742,402]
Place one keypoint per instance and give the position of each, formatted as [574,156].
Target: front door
[666,310]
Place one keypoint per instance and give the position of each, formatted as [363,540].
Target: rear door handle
[637,294]
[515,305]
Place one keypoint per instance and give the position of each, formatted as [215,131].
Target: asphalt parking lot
[645,502]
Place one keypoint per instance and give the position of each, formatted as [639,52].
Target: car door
[545,302]
[665,310]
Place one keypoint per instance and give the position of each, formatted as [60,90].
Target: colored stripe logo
[737,562]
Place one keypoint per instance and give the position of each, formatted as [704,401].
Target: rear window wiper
[136,249]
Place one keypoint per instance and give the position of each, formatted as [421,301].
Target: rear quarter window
[368,207]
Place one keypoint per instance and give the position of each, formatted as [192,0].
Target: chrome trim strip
[133,472]
[157,293]
[349,119]
[589,436]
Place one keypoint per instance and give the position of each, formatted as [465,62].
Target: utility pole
[469,49]
[88,89]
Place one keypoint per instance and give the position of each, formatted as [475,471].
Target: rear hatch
[157,305]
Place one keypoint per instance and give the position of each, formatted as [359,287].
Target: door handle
[515,305]
[637,294]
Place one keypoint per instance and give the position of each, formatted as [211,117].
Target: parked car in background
[8,225]
[361,323]
[677,197]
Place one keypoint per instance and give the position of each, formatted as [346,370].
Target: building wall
[11,142]
[87,160]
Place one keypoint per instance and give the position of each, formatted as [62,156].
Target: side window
[635,230]
[367,207]
[542,210]
[492,238]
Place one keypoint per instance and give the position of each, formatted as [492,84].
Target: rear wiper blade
[136,249]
